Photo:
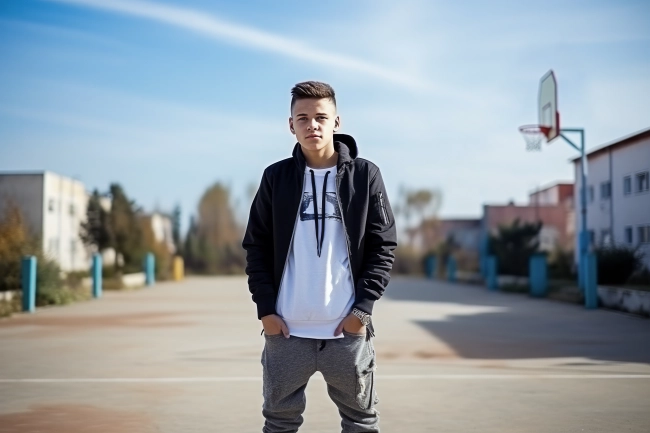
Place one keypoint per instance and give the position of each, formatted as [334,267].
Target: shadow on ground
[523,327]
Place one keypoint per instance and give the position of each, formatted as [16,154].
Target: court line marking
[217,379]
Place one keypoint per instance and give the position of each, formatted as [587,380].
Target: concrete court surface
[185,357]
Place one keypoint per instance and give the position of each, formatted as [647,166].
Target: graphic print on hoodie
[316,291]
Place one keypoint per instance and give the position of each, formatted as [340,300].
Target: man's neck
[324,158]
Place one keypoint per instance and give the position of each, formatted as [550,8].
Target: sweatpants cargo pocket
[366,395]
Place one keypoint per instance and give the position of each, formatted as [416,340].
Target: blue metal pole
[430,266]
[538,275]
[584,233]
[150,269]
[451,270]
[582,242]
[483,252]
[591,287]
[28,271]
[97,275]
[492,273]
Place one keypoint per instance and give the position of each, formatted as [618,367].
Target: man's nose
[313,124]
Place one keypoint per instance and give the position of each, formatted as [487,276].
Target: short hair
[312,89]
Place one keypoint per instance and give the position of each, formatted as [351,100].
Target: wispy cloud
[217,28]
[142,124]
[58,32]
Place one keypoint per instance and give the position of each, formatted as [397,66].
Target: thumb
[339,329]
[284,329]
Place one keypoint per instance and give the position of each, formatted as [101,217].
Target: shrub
[617,263]
[641,278]
[7,308]
[408,261]
[513,246]
[50,296]
[15,242]
[74,279]
[48,274]
[561,264]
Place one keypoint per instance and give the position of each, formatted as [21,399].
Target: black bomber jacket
[367,219]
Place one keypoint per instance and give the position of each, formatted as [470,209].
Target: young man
[319,242]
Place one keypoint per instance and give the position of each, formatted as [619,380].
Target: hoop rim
[535,129]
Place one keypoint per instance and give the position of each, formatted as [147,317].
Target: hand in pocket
[274,325]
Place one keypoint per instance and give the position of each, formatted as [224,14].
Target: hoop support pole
[583,241]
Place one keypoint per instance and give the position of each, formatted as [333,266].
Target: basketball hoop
[534,136]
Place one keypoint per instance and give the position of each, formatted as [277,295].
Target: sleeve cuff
[266,306]
[364,305]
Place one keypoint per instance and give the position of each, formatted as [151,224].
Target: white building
[618,192]
[53,207]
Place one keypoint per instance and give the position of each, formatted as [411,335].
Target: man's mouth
[313,136]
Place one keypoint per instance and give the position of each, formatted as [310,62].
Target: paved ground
[185,357]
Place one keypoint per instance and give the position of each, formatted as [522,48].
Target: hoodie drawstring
[319,242]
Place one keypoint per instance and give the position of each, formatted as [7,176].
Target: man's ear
[293,131]
[337,123]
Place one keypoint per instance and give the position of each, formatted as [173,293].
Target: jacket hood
[344,144]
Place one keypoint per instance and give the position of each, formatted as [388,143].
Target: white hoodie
[316,291]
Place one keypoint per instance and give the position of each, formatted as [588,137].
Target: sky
[167,97]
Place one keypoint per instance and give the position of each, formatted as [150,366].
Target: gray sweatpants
[347,364]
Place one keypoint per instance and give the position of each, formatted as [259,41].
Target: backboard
[548,114]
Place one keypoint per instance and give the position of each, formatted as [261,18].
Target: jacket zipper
[286,260]
[369,332]
[345,230]
[382,207]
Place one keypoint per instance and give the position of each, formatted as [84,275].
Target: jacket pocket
[380,206]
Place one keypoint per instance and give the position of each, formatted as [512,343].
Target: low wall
[9,295]
[134,280]
[506,280]
[469,277]
[128,280]
[628,300]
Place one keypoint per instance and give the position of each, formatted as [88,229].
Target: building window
[627,185]
[642,181]
[605,190]
[605,237]
[72,210]
[590,193]
[628,234]
[73,246]
[50,205]
[592,237]
[644,234]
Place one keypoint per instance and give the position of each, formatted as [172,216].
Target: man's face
[314,122]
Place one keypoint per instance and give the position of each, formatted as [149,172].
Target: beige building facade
[53,207]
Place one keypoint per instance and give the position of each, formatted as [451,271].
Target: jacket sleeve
[258,243]
[380,242]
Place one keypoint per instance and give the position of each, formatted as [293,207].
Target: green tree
[418,208]
[176,229]
[513,245]
[617,263]
[96,230]
[16,241]
[125,229]
[213,243]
